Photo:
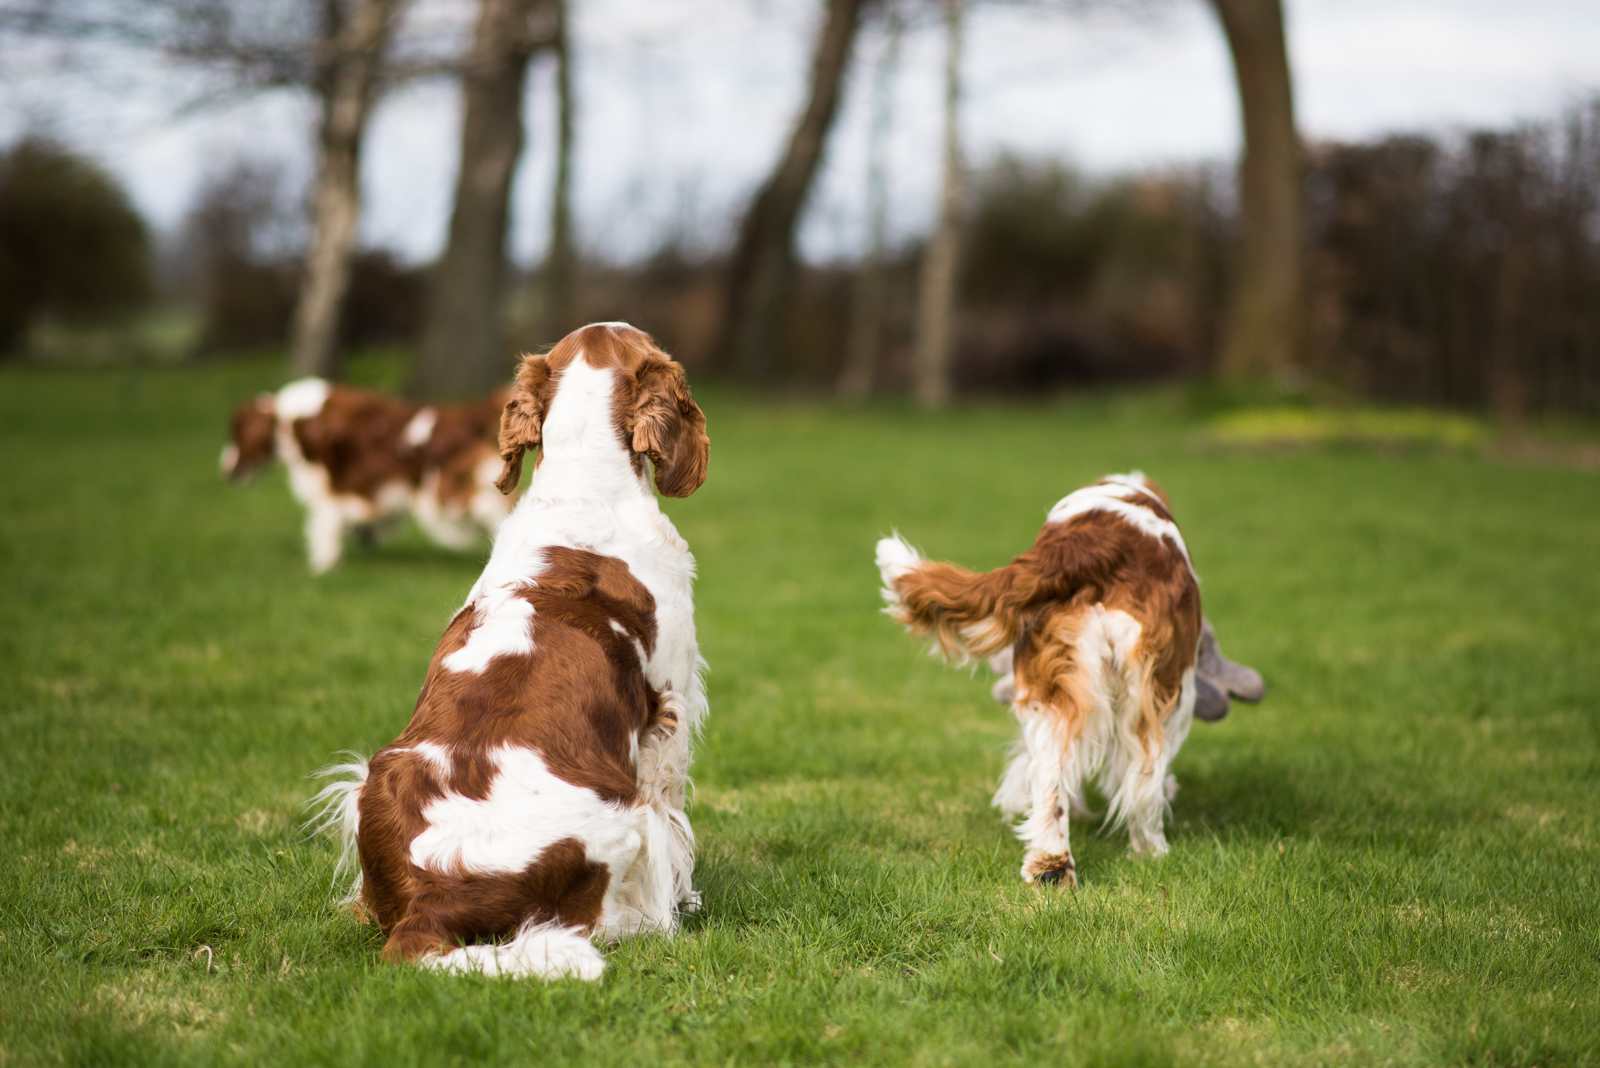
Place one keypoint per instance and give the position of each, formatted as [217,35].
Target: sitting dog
[361,461]
[1097,630]
[536,798]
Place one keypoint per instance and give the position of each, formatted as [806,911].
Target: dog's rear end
[1101,619]
[457,501]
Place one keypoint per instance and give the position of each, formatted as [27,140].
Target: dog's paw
[1050,869]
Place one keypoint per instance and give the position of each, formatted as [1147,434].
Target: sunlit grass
[1394,859]
[1383,427]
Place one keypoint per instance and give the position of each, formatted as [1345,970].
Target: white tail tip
[895,557]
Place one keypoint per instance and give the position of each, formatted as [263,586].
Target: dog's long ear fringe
[522,421]
[669,427]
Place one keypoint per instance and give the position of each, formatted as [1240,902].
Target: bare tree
[354,38]
[560,260]
[937,297]
[867,305]
[762,265]
[463,336]
[1261,330]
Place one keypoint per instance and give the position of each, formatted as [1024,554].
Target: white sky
[684,104]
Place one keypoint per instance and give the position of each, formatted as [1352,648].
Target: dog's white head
[651,410]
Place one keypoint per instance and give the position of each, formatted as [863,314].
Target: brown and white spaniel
[361,461]
[536,800]
[1096,629]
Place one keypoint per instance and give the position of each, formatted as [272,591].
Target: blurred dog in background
[361,461]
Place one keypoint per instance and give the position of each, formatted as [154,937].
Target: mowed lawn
[1394,859]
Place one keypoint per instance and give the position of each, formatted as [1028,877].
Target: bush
[71,245]
[1462,272]
[246,237]
[384,303]
[244,242]
[1070,280]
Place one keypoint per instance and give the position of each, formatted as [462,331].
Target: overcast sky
[684,104]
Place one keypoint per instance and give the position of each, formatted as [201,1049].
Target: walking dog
[360,461]
[1096,631]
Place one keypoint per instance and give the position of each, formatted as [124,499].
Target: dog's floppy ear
[669,427]
[523,418]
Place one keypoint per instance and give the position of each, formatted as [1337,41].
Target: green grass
[1393,860]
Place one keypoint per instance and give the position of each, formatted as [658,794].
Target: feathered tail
[335,809]
[969,615]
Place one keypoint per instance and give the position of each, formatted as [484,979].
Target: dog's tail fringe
[335,809]
[544,950]
[969,615]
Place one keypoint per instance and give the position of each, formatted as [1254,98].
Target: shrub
[245,241]
[1463,272]
[384,303]
[1067,279]
[71,245]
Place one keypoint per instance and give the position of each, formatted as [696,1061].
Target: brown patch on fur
[579,699]
[458,473]
[464,436]
[459,428]
[253,431]
[358,436]
[653,411]
[447,910]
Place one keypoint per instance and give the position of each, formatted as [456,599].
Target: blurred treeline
[1459,270]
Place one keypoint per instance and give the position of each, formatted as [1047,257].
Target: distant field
[1394,859]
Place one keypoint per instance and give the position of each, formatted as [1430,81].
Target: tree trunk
[762,266]
[355,47]
[1263,322]
[936,302]
[866,309]
[462,337]
[560,260]
[1507,394]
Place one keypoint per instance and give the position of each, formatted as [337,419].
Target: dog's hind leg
[1061,703]
[1135,775]
[657,886]
[1049,855]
